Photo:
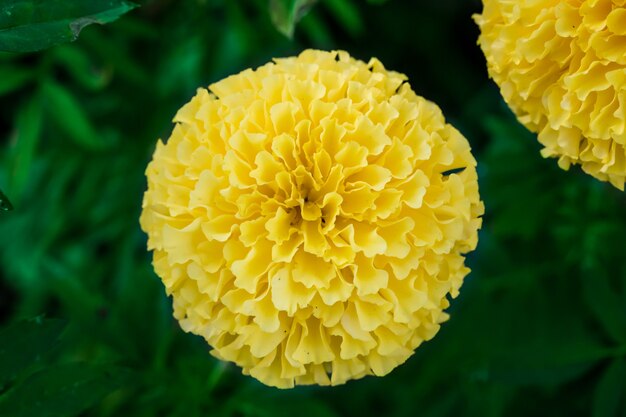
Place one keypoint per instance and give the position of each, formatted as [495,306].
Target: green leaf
[347,14]
[61,390]
[5,204]
[13,78]
[80,67]
[604,302]
[25,342]
[314,27]
[286,14]
[32,25]
[70,117]
[28,126]
[609,394]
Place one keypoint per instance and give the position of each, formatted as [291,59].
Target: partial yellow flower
[305,220]
[561,66]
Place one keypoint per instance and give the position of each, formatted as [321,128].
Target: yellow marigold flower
[561,66]
[304,219]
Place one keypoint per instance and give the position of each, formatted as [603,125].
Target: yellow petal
[248,271]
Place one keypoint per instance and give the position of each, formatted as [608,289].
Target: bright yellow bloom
[561,66]
[304,219]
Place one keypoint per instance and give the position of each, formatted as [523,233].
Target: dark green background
[538,330]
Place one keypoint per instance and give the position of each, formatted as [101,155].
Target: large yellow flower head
[305,220]
[561,66]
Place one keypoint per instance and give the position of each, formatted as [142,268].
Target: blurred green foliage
[5,204]
[286,14]
[539,327]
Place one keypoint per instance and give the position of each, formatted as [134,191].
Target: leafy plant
[32,25]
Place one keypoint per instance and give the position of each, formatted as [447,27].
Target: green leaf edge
[75,25]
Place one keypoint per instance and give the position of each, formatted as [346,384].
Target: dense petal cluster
[561,66]
[306,221]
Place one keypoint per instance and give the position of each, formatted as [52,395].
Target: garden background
[539,327]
